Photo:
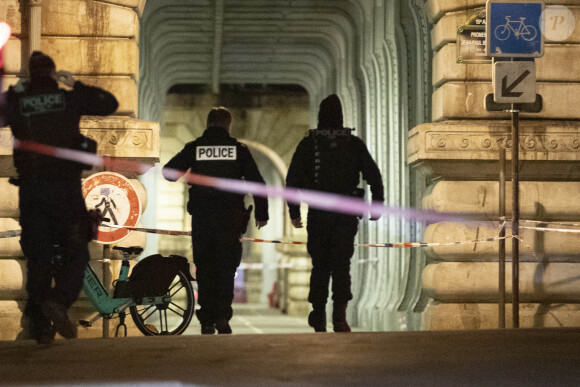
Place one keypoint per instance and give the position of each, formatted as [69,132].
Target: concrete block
[444,31]
[14,325]
[12,279]
[439,316]
[124,137]
[9,203]
[535,245]
[99,55]
[88,18]
[465,100]
[550,200]
[469,150]
[478,282]
[10,13]
[557,65]
[437,8]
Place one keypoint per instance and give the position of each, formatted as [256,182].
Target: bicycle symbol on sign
[519,28]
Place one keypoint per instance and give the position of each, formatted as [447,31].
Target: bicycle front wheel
[170,318]
[502,32]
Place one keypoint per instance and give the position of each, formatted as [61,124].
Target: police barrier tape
[258,240]
[150,230]
[315,199]
[565,230]
[10,234]
[390,245]
[546,223]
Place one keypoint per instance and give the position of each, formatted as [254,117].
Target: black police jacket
[217,154]
[47,114]
[333,165]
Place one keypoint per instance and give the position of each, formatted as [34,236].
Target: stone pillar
[34,25]
[459,153]
[98,43]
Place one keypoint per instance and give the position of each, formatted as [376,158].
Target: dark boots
[339,318]
[207,329]
[223,326]
[317,320]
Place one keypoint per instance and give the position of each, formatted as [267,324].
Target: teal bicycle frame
[106,305]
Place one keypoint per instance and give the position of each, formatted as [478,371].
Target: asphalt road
[523,357]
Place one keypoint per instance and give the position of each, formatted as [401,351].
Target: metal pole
[501,303]
[515,219]
[106,282]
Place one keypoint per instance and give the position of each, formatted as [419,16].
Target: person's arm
[372,175]
[180,163]
[9,107]
[296,178]
[94,101]
[3,108]
[251,172]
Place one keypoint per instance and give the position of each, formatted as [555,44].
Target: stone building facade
[394,65]
[98,43]
[459,152]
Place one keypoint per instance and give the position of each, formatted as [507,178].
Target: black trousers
[331,246]
[54,222]
[217,253]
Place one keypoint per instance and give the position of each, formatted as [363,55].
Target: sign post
[514,30]
[116,198]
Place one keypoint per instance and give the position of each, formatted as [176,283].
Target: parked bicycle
[519,28]
[158,294]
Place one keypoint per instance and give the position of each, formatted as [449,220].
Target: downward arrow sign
[506,91]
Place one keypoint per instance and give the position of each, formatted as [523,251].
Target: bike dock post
[106,281]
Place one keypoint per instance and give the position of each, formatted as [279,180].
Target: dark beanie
[330,113]
[40,65]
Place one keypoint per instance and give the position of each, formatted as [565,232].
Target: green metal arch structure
[374,54]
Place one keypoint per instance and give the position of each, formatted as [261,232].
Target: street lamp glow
[4,33]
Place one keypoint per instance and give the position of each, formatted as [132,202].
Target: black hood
[330,113]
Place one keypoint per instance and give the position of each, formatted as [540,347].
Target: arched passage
[374,55]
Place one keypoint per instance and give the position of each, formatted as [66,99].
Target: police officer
[330,159]
[53,215]
[218,218]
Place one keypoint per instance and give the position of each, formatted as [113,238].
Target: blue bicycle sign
[514,28]
[519,29]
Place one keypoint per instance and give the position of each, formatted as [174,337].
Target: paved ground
[524,357]
[256,319]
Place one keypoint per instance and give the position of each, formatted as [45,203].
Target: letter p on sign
[558,23]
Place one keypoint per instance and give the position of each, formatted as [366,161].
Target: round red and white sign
[116,198]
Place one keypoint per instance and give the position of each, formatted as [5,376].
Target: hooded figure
[325,161]
[330,113]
